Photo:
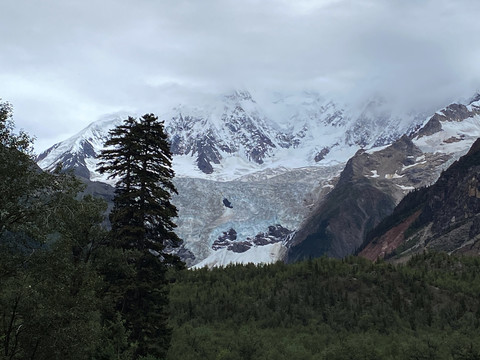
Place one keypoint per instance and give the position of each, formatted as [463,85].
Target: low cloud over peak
[65,62]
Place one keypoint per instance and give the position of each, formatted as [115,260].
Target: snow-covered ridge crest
[237,135]
[80,151]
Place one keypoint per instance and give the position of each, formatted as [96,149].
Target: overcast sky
[64,63]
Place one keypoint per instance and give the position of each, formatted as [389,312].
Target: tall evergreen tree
[138,156]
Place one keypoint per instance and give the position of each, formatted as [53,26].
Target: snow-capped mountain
[80,151]
[245,167]
[237,127]
[374,181]
[236,135]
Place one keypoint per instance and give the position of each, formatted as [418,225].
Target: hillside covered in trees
[329,309]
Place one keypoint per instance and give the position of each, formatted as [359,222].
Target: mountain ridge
[373,182]
[282,174]
[237,132]
[443,216]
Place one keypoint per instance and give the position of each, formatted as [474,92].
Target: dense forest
[326,308]
[70,288]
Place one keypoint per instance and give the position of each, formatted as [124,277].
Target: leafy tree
[48,239]
[23,187]
[139,158]
[62,317]
[25,193]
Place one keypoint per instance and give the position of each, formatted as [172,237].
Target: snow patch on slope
[257,255]
[456,137]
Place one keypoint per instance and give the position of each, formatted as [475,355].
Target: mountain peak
[240,95]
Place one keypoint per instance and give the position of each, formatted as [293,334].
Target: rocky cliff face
[444,216]
[372,183]
[369,187]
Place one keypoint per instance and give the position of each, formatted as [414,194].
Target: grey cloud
[65,62]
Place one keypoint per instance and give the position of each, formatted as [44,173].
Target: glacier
[257,202]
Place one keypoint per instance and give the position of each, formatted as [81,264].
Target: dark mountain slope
[373,182]
[444,216]
[361,199]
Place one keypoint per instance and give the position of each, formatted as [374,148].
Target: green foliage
[26,192]
[139,157]
[328,309]
[50,296]
[49,247]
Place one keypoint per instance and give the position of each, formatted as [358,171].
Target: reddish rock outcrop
[389,241]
